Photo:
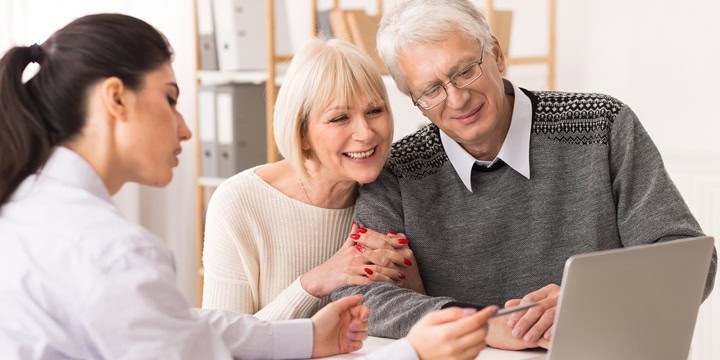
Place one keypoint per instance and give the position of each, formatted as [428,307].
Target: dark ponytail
[49,109]
[23,137]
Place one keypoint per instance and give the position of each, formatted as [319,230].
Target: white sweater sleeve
[254,251]
[226,283]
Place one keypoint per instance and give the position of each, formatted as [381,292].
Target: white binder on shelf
[241,127]
[206,35]
[209,162]
[241,33]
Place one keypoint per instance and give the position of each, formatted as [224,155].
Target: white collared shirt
[79,281]
[515,150]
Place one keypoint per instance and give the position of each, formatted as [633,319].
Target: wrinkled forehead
[426,63]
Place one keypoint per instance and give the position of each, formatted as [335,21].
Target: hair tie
[36,53]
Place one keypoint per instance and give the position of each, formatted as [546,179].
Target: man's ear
[114,96]
[498,54]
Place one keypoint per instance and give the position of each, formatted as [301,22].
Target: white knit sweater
[258,241]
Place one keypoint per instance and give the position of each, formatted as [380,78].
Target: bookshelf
[548,60]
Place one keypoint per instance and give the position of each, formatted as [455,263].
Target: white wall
[658,56]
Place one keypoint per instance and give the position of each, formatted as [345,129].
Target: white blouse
[79,281]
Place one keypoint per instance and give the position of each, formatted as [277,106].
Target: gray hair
[412,22]
[320,73]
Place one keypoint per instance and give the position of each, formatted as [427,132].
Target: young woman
[79,281]
[278,237]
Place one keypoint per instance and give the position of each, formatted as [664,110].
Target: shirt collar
[515,150]
[69,168]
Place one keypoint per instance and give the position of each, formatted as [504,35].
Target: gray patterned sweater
[597,182]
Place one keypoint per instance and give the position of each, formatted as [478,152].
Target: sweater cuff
[306,303]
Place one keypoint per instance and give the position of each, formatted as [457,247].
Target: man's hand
[451,333]
[340,327]
[500,337]
[535,324]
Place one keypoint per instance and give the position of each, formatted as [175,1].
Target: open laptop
[632,303]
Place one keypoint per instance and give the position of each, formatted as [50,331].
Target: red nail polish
[362,230]
[407,262]
[354,236]
[359,248]
[402,276]
[368,271]
[403,241]
[392,233]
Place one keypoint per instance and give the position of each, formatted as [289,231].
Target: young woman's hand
[340,327]
[451,333]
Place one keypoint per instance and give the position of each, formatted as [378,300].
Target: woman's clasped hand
[366,256]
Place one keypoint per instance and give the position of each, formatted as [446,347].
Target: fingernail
[362,230]
[407,262]
[403,241]
[368,271]
[528,338]
[516,332]
[355,236]
[402,276]
[511,322]
[365,316]
[359,248]
[469,311]
[392,233]
[547,336]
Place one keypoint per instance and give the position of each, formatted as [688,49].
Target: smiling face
[349,143]
[153,130]
[476,116]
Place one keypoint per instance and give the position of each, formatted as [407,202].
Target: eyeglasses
[460,79]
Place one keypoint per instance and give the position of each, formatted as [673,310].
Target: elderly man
[506,183]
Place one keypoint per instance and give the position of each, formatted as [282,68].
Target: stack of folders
[232,128]
[233,34]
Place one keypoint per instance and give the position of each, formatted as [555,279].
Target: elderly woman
[279,237]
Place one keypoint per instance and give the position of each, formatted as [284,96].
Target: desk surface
[373,343]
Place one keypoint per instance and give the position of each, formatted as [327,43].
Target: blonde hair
[320,73]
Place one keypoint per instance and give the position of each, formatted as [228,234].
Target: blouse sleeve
[133,310]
